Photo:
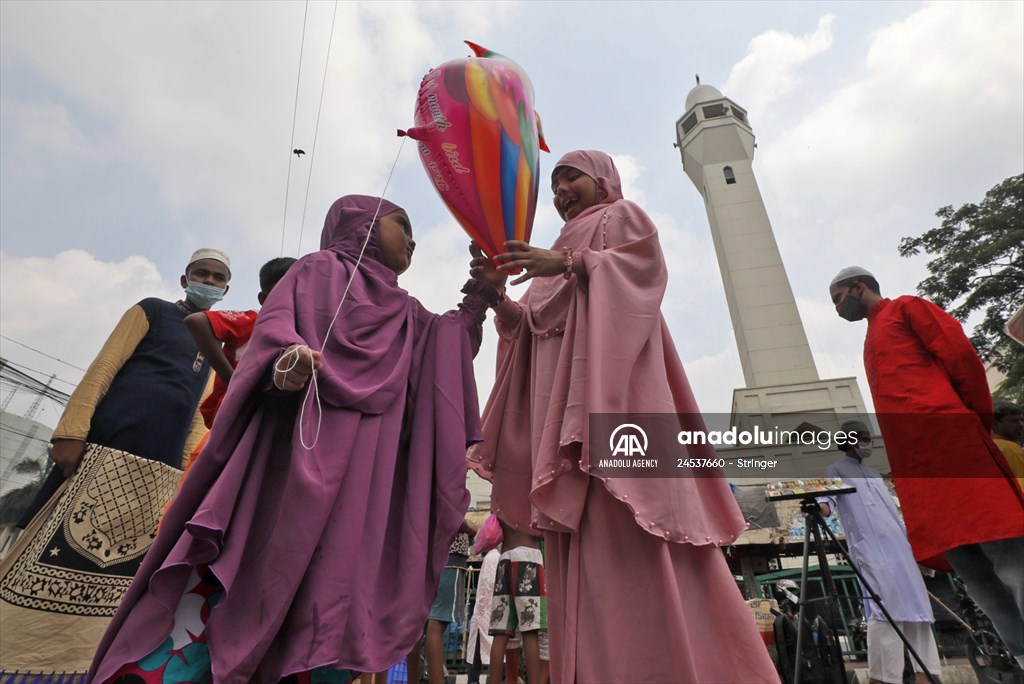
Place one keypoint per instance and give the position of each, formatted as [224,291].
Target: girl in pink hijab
[638,588]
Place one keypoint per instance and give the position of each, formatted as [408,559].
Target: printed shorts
[520,603]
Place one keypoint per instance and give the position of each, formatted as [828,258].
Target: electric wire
[316,129]
[54,358]
[10,375]
[295,112]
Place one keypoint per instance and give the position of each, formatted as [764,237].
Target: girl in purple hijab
[308,540]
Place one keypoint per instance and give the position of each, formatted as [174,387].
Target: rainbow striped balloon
[479,141]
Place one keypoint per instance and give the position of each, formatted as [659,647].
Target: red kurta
[935,411]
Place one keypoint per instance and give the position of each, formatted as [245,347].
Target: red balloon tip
[479,50]
[416,133]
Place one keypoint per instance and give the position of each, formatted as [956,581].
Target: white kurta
[480,623]
[877,541]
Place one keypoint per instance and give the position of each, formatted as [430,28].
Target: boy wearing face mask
[878,546]
[126,429]
[149,359]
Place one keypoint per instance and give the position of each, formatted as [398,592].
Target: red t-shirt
[233,328]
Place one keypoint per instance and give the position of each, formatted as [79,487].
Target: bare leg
[373,678]
[412,664]
[498,644]
[531,652]
[512,666]
[435,651]
[477,663]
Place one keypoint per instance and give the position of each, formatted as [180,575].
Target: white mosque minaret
[716,143]
[717,146]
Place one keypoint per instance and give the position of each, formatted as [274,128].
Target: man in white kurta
[878,546]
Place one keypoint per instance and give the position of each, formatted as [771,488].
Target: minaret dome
[702,93]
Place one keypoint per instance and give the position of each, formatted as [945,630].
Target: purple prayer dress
[329,556]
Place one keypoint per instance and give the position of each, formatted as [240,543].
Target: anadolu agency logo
[628,440]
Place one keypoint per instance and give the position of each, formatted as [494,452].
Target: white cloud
[713,378]
[45,129]
[208,114]
[921,120]
[630,169]
[195,103]
[935,117]
[68,305]
[768,72]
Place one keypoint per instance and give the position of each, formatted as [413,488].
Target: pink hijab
[605,341]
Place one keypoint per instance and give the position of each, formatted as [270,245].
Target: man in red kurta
[960,504]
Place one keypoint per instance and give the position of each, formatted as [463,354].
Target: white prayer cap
[210,253]
[854,426]
[851,272]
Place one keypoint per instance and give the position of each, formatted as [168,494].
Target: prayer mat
[63,580]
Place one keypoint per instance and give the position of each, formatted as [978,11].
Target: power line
[22,379]
[295,111]
[54,358]
[316,130]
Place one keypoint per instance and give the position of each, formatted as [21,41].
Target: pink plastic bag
[488,537]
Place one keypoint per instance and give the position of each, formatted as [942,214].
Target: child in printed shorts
[520,601]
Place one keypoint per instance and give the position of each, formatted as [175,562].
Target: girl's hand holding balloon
[534,261]
[481,268]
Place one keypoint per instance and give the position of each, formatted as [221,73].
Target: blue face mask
[202,295]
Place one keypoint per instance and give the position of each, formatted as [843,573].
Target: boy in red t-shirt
[222,336]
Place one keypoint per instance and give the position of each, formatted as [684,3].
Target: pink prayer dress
[638,588]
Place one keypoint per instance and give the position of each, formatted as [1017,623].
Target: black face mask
[852,309]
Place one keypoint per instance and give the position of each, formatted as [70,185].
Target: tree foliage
[979,266]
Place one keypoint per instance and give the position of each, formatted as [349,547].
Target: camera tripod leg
[820,523]
[803,605]
[815,523]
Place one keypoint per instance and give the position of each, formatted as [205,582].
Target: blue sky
[135,132]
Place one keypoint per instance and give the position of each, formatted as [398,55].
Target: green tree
[979,266]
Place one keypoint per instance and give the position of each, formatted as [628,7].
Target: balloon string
[312,385]
[293,355]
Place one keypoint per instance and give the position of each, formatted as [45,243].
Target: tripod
[815,527]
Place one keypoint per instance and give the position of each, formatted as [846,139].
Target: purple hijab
[329,556]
